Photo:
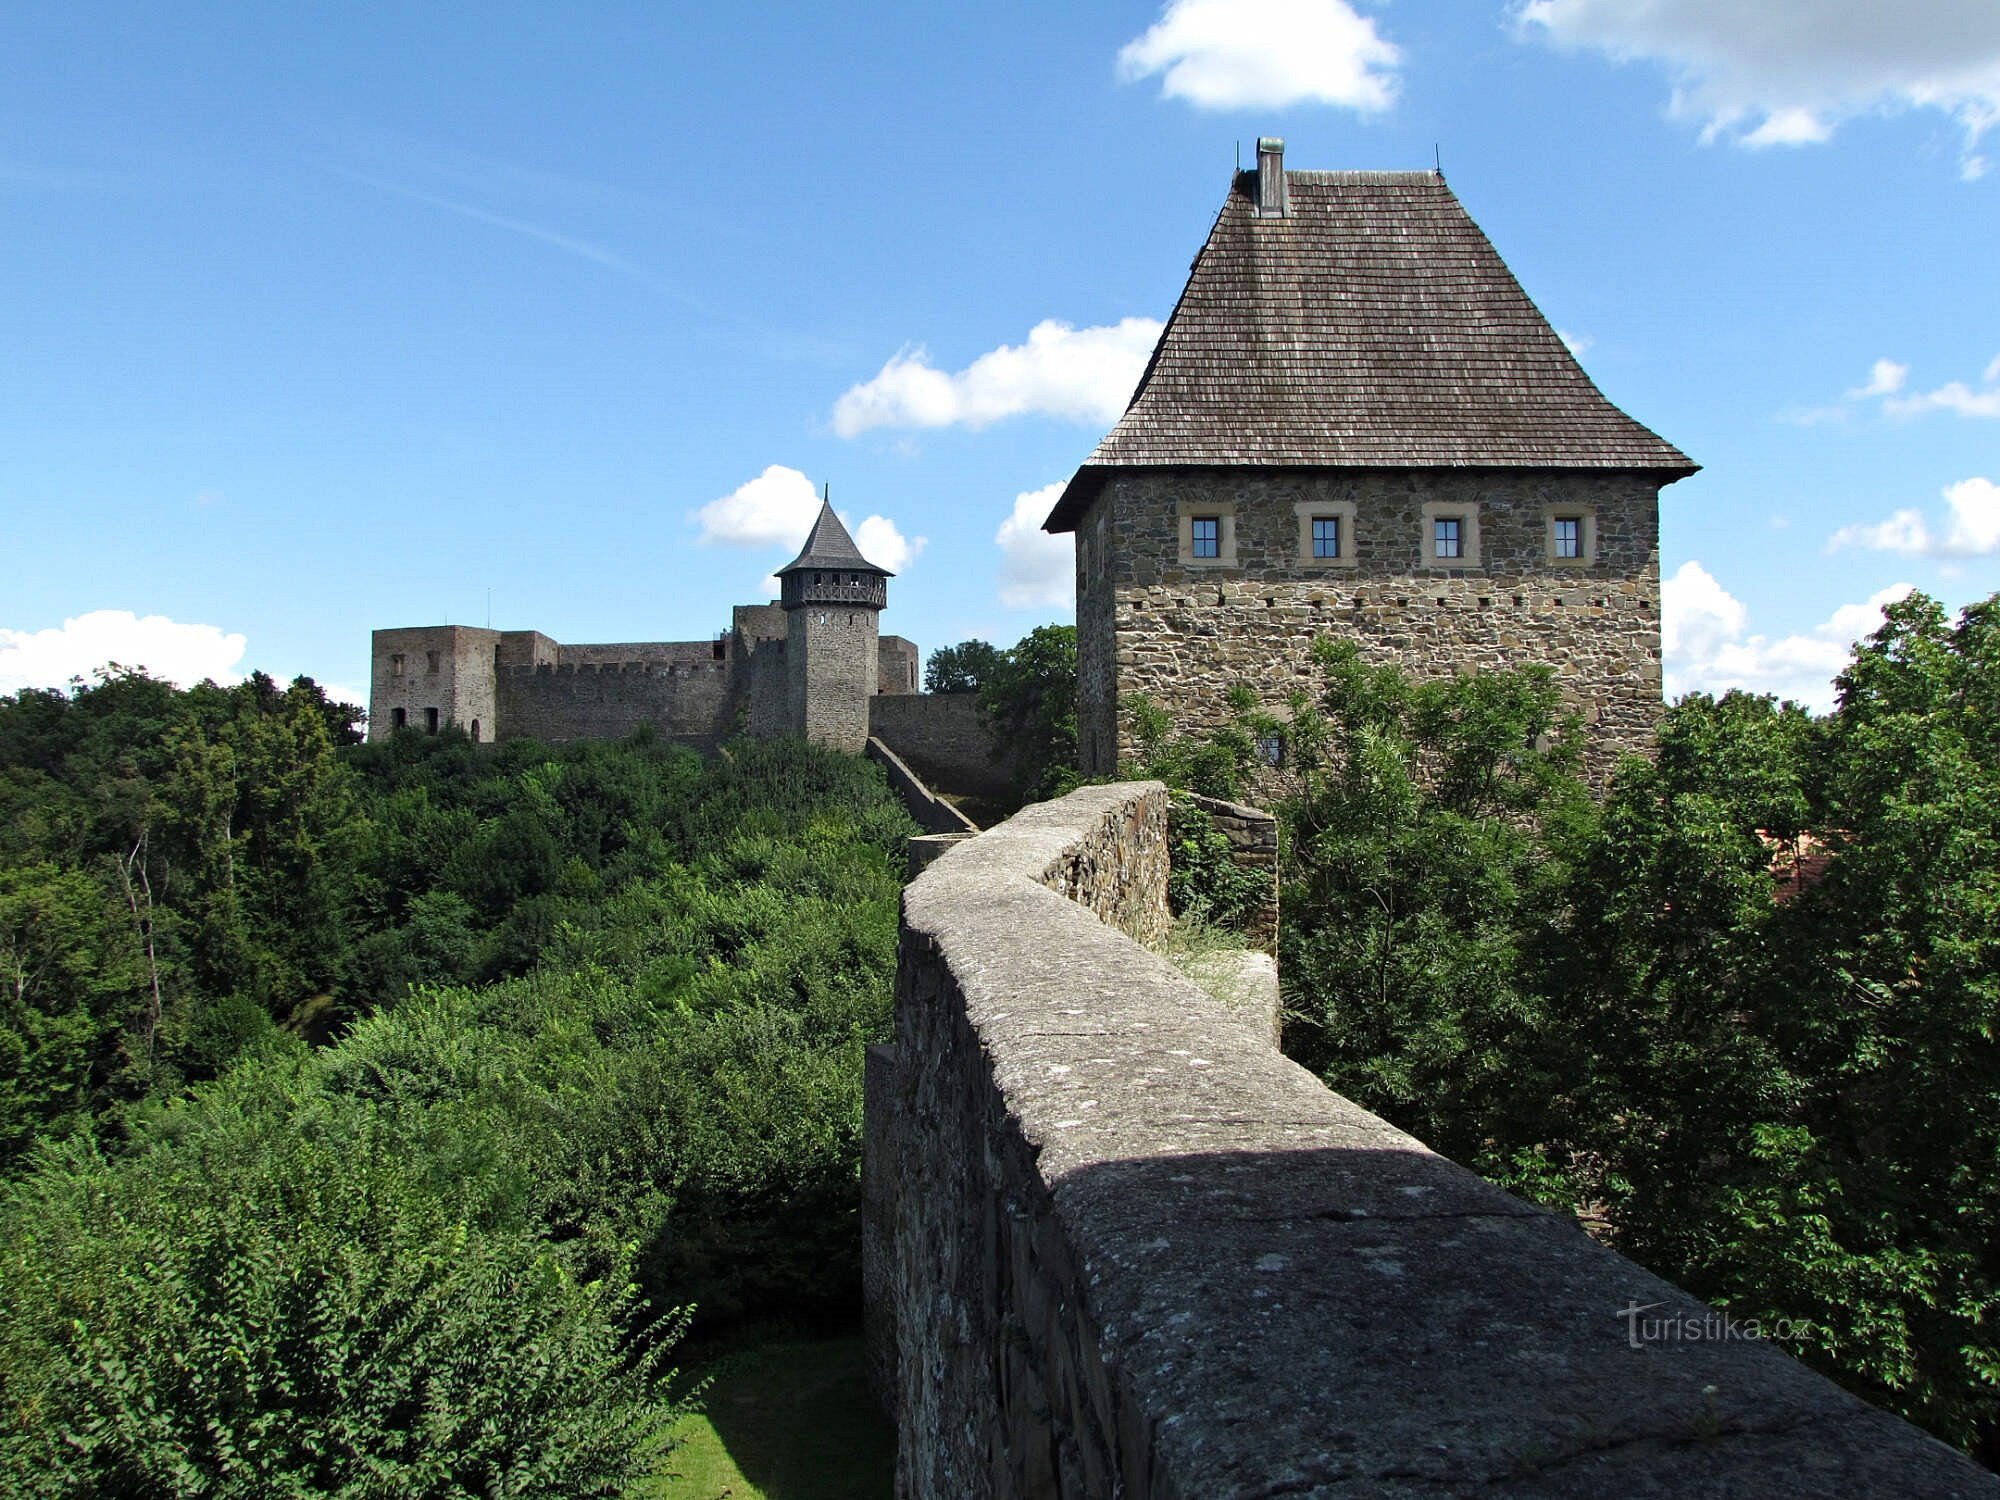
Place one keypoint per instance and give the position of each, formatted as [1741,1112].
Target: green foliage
[418,1259]
[1030,698]
[964,668]
[1205,885]
[162,854]
[1221,763]
[286,1293]
[1782,1097]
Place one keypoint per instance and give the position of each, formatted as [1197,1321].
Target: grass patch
[788,1420]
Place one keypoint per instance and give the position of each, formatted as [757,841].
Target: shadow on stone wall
[1118,1245]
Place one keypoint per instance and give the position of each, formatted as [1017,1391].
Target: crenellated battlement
[811,663]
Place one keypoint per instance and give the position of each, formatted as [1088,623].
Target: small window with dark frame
[1271,749]
[398,718]
[431,661]
[1326,536]
[1569,536]
[1207,536]
[430,721]
[1448,537]
[396,665]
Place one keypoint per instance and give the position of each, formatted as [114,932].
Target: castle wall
[896,670]
[694,704]
[1117,1244]
[765,687]
[441,669]
[616,653]
[527,648]
[833,664]
[1184,631]
[944,740]
[758,622]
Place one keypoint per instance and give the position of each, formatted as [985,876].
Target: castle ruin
[808,663]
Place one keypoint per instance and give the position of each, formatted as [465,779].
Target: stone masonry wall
[1253,845]
[945,740]
[1184,631]
[460,687]
[932,813]
[696,703]
[832,652]
[1130,1250]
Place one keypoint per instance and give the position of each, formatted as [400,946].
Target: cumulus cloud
[1790,72]
[1972,526]
[1085,374]
[1885,378]
[1037,569]
[1888,383]
[1953,395]
[181,653]
[885,546]
[776,507]
[1578,344]
[1259,54]
[1708,646]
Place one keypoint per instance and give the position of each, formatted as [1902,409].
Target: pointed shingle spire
[831,570]
[829,546]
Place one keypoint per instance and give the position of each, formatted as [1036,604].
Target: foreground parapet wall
[1131,1250]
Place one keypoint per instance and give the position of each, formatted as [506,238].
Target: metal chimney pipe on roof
[1271,197]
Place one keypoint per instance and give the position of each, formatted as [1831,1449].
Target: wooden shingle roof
[1373,325]
[829,546]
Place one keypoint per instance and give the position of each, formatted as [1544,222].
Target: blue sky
[314,320]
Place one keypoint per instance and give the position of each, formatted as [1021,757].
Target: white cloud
[1250,54]
[776,507]
[1790,72]
[1037,569]
[1885,378]
[1705,639]
[1086,374]
[1954,395]
[882,544]
[181,653]
[1972,531]
[1578,344]
[1888,381]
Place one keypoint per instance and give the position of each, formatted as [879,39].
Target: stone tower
[832,596]
[1356,424]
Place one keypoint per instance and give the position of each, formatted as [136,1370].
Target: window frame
[1342,511]
[1586,519]
[1224,516]
[1466,514]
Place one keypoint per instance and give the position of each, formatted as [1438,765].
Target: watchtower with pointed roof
[1357,424]
[832,597]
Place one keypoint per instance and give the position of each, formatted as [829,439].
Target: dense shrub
[1782,1096]
[290,1293]
[591,1025]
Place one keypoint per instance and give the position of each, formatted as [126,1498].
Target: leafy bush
[282,1297]
[1780,1095]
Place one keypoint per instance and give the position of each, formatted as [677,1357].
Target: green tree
[964,668]
[1030,699]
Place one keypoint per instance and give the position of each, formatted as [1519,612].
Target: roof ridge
[1365,327]
[828,545]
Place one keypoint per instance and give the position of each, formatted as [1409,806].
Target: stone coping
[1282,1294]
